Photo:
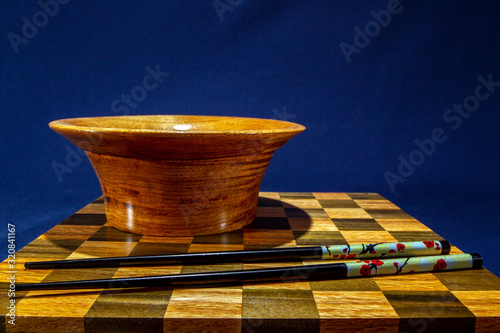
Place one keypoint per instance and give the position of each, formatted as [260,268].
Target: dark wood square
[327,203]
[268,202]
[275,223]
[134,311]
[279,304]
[360,284]
[49,249]
[424,304]
[146,249]
[296,195]
[480,280]
[319,238]
[203,268]
[85,219]
[415,236]
[388,214]
[111,234]
[357,224]
[305,213]
[233,237]
[366,196]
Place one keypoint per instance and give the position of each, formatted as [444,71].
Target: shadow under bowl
[169,175]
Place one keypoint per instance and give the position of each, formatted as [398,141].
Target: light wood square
[78,232]
[410,282]
[147,270]
[93,249]
[205,303]
[93,208]
[288,283]
[402,225]
[314,224]
[271,237]
[331,196]
[197,248]
[347,213]
[361,237]
[376,204]
[301,203]
[270,195]
[480,303]
[69,303]
[353,304]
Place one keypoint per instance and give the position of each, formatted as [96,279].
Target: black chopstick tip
[445,247]
[477,260]
[37,265]
[29,265]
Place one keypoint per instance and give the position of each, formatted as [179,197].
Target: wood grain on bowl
[178,175]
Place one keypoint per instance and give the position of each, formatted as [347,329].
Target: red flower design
[342,256]
[412,271]
[335,256]
[366,261]
[373,251]
[438,248]
[392,251]
[395,264]
[344,250]
[440,265]
[365,270]
[351,256]
[377,262]
[429,244]
[401,247]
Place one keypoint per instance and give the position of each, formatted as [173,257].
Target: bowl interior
[179,124]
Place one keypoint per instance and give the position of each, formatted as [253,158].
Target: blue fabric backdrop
[398,97]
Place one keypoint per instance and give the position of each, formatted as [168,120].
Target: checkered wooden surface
[461,301]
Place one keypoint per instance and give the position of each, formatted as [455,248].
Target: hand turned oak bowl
[178,175]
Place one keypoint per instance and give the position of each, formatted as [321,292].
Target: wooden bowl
[178,175]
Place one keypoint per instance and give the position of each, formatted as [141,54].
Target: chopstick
[328,271]
[352,251]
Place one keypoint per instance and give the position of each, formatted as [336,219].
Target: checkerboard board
[460,301]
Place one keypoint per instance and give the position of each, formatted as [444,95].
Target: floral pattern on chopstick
[409,265]
[380,250]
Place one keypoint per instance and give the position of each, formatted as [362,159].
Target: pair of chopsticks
[392,258]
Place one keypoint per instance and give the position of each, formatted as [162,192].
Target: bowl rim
[65,125]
